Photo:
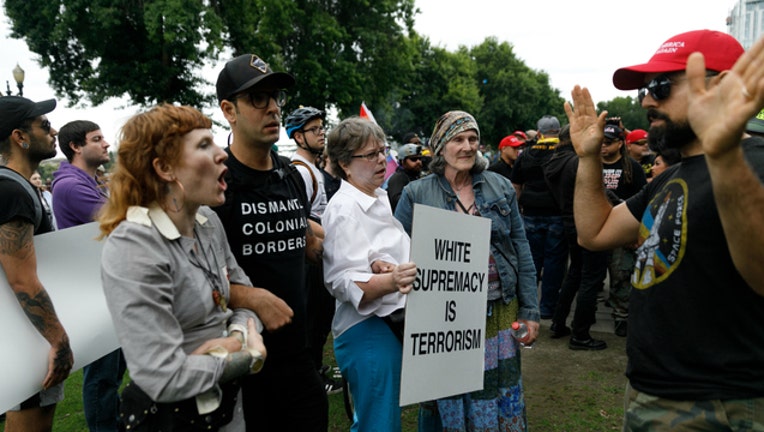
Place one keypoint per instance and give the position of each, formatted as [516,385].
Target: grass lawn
[572,391]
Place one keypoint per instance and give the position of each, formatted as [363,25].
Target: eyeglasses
[261,99]
[371,156]
[659,88]
[414,158]
[45,126]
[316,130]
[639,143]
[608,142]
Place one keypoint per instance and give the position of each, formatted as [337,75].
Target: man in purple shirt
[77,197]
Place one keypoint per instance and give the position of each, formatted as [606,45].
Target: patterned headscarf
[448,126]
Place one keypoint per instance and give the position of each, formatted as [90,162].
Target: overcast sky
[574,42]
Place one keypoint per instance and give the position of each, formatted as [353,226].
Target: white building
[746,21]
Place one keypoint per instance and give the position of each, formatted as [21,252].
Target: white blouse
[360,229]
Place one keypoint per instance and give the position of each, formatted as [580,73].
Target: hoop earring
[177,207]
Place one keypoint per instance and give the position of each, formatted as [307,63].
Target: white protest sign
[69,267]
[444,340]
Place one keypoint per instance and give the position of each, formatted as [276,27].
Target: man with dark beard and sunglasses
[696,335]
[26,139]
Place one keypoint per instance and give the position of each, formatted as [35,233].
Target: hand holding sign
[404,276]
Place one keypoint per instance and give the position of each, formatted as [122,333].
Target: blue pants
[546,238]
[100,384]
[369,356]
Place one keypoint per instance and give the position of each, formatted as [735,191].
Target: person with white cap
[26,139]
[694,344]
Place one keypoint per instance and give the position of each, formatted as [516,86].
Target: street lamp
[18,76]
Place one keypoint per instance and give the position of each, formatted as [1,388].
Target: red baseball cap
[636,135]
[520,134]
[720,50]
[510,141]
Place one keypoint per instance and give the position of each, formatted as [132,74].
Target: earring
[25,145]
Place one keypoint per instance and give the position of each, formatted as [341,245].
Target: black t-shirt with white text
[265,219]
[614,178]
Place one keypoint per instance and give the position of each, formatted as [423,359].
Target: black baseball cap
[246,71]
[15,109]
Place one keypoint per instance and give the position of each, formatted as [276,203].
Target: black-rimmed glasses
[261,99]
[316,130]
[371,156]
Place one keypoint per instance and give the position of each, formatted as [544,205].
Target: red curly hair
[154,134]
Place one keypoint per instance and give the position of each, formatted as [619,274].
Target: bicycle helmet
[409,150]
[297,119]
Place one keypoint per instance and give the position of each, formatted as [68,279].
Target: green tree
[149,51]
[515,96]
[629,109]
[340,51]
[441,81]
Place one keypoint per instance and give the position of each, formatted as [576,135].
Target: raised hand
[586,127]
[719,112]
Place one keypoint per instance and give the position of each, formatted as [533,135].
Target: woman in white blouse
[367,269]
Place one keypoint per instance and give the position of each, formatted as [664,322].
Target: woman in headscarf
[166,270]
[367,269]
[459,182]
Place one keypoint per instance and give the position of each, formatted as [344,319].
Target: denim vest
[496,200]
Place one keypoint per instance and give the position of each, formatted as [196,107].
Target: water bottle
[520,332]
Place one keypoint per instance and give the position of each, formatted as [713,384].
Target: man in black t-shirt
[695,341]
[266,221]
[26,139]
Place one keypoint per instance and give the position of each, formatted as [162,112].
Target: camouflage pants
[649,413]
[620,267]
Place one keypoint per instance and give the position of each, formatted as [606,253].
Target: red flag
[366,113]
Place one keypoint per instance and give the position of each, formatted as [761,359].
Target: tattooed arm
[18,259]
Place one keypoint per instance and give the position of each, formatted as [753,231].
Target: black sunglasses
[659,88]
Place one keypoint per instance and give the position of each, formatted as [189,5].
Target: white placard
[69,267]
[444,340]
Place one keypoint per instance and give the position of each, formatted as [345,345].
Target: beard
[671,135]
[39,150]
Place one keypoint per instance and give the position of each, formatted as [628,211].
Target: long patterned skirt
[500,406]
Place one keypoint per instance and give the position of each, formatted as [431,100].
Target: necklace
[212,277]
[458,190]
